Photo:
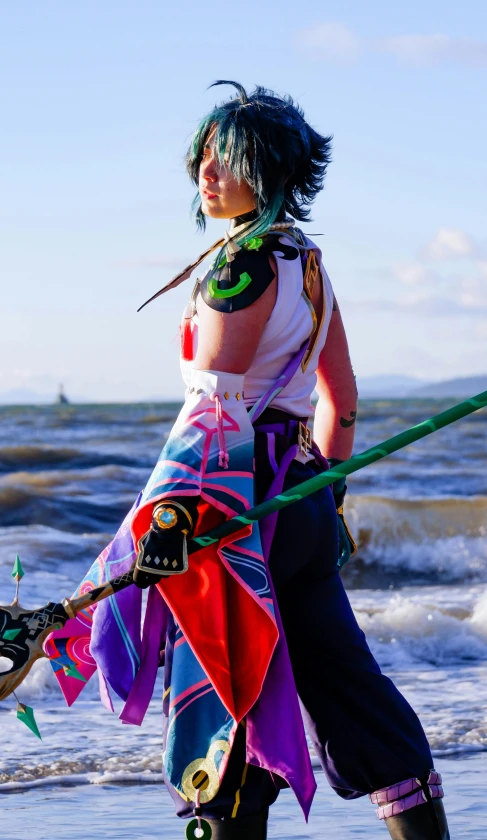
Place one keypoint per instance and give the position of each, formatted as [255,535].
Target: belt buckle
[305,440]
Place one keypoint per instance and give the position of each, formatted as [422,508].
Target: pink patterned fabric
[223,456]
[405,795]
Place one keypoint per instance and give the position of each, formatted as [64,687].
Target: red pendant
[186,331]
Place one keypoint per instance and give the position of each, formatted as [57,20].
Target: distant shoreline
[383,387]
[423,398]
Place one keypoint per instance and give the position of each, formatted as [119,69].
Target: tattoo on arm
[347,423]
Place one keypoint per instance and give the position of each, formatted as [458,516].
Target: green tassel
[72,671]
[18,572]
[26,715]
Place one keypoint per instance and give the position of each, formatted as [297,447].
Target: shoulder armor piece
[235,285]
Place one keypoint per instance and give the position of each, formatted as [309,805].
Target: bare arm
[228,341]
[334,426]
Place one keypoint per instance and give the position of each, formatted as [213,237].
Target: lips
[208,194]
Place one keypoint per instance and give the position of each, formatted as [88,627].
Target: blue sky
[98,102]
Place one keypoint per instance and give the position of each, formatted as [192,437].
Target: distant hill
[465,386]
[399,387]
[388,386]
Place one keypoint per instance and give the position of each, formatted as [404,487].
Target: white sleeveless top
[290,324]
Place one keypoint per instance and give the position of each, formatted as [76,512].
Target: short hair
[270,145]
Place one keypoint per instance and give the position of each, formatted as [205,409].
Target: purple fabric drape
[276,739]
[127,663]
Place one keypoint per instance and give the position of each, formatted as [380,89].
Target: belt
[280,422]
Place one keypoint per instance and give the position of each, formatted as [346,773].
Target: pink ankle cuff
[405,795]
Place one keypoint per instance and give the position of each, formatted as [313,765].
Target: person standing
[257,621]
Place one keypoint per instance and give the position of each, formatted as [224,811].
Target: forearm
[334,424]
[336,412]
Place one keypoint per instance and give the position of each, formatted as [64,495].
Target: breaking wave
[410,628]
[40,457]
[80,515]
[432,540]
[78,501]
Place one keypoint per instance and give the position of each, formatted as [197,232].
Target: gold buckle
[305,440]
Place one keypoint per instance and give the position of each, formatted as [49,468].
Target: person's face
[222,196]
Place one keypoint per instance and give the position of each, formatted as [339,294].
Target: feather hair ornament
[228,242]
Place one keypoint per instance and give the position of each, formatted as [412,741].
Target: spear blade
[17,571]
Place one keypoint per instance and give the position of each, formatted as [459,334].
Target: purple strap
[153,640]
[276,740]
[268,524]
[402,796]
[280,383]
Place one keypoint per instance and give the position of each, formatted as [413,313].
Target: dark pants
[365,733]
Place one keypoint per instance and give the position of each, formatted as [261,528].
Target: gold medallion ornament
[165,517]
[165,514]
[201,776]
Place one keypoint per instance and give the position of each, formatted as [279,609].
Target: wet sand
[144,812]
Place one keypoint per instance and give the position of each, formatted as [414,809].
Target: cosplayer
[251,624]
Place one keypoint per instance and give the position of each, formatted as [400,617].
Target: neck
[245,218]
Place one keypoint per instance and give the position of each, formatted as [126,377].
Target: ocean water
[144,812]
[418,585]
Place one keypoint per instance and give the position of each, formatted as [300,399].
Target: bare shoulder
[237,283]
[228,338]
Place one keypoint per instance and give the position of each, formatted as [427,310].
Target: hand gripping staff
[23,632]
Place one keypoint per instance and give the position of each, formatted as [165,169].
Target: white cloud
[330,41]
[419,291]
[414,297]
[447,243]
[333,41]
[413,274]
[432,306]
[481,329]
[472,291]
[435,49]
[419,303]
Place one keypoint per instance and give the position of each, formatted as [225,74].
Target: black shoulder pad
[235,285]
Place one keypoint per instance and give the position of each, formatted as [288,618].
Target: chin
[214,212]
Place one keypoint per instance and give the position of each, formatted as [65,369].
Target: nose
[208,170]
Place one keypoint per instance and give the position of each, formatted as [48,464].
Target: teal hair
[265,141]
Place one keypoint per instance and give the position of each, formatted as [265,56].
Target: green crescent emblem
[215,292]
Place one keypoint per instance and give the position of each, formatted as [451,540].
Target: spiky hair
[266,142]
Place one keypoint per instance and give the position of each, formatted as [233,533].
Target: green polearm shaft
[287,497]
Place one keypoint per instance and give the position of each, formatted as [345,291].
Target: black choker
[245,217]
